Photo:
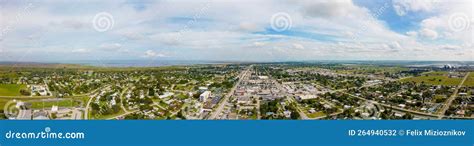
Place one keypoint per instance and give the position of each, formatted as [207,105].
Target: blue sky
[236,30]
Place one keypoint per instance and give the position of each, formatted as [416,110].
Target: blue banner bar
[238,133]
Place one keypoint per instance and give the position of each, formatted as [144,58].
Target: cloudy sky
[236,30]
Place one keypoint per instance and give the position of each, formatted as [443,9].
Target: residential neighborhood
[307,91]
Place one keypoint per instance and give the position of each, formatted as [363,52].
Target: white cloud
[73,24]
[412,33]
[402,7]
[431,23]
[111,46]
[328,9]
[298,46]
[395,46]
[248,26]
[450,47]
[81,50]
[225,31]
[441,25]
[428,33]
[259,44]
[153,54]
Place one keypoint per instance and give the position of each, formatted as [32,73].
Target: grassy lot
[161,103]
[36,102]
[362,69]
[4,100]
[11,89]
[49,104]
[470,80]
[81,100]
[439,98]
[434,78]
[104,117]
[315,114]
[312,115]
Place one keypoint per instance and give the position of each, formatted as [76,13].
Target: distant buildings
[203,89]
[166,94]
[204,96]
[244,100]
[305,97]
[262,77]
[54,108]
[39,89]
[287,114]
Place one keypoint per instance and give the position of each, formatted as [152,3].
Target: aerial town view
[240,91]
[237,72]
[233,60]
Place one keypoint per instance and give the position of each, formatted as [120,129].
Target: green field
[104,117]
[4,101]
[36,102]
[434,78]
[313,115]
[470,80]
[49,104]
[11,89]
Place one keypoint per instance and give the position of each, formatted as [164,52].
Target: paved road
[302,114]
[453,96]
[417,113]
[222,104]
[92,95]
[122,99]
[288,96]
[126,113]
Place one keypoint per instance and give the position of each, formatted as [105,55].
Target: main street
[452,97]
[224,101]
[288,96]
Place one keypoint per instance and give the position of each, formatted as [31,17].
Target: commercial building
[204,96]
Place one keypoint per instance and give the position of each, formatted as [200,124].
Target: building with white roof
[204,96]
